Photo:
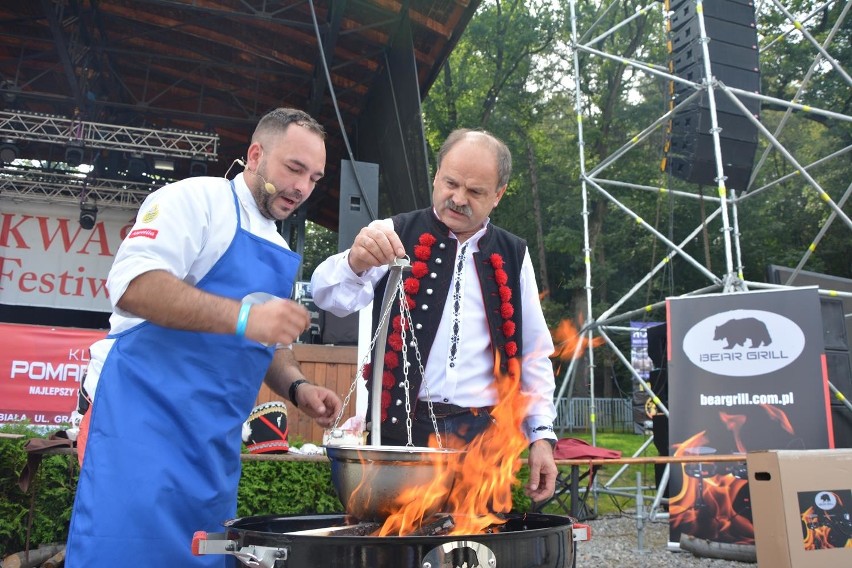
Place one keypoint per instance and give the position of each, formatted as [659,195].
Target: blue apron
[162,460]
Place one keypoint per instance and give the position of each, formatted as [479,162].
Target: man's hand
[320,403]
[542,482]
[376,245]
[277,321]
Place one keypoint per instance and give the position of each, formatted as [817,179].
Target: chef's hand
[320,403]
[376,245]
[542,482]
[277,321]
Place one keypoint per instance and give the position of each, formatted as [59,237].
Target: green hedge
[286,488]
[53,491]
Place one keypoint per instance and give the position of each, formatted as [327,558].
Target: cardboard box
[802,507]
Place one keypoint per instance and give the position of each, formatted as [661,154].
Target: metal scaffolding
[723,205]
[28,184]
[50,185]
[18,125]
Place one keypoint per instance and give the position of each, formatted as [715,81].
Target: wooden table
[572,485]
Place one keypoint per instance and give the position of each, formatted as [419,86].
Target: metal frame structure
[19,125]
[726,200]
[55,186]
[27,184]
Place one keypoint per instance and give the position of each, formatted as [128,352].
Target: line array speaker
[734,60]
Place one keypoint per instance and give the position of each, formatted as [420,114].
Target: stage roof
[209,66]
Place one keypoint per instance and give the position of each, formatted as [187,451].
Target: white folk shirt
[337,289]
[185,228]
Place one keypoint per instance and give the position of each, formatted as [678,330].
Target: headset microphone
[270,189]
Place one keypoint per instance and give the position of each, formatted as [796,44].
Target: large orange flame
[482,476]
[567,340]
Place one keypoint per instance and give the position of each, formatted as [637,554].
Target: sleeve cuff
[541,432]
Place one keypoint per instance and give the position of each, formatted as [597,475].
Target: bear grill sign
[744,343]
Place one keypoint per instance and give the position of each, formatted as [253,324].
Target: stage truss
[724,205]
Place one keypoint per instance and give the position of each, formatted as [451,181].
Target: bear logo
[737,331]
[462,557]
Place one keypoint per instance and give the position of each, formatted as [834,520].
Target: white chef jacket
[184,228]
[337,289]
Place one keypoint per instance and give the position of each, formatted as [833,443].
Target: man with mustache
[187,352]
[473,301]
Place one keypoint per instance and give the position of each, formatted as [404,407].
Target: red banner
[40,371]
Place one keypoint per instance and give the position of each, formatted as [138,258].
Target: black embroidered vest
[427,286]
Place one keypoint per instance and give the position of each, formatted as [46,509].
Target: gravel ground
[615,543]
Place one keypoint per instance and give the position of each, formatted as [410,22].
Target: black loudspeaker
[839,373]
[841,418]
[339,330]
[660,429]
[359,187]
[734,60]
[657,345]
[833,324]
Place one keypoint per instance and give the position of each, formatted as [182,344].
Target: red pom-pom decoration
[427,239]
[386,399]
[508,328]
[388,380]
[395,341]
[505,293]
[411,286]
[511,348]
[410,301]
[496,261]
[422,253]
[506,310]
[367,371]
[384,415]
[501,277]
[391,360]
[419,269]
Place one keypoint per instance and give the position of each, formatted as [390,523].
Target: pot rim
[388,453]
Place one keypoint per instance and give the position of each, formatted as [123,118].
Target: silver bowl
[369,479]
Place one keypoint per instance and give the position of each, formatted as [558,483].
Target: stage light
[9,152]
[164,165]
[197,167]
[74,153]
[88,215]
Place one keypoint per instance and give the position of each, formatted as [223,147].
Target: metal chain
[406,322]
[361,365]
[406,315]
